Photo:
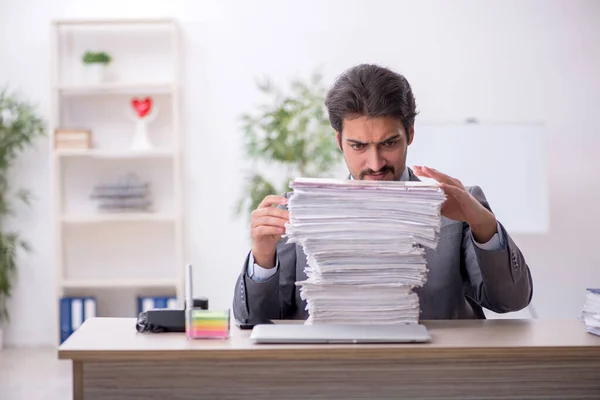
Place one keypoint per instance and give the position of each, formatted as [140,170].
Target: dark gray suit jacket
[462,278]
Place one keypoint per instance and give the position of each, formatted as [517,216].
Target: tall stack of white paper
[591,311]
[365,246]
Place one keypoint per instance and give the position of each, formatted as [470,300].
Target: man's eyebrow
[354,141]
[395,137]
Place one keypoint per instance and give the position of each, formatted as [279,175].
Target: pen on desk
[189,302]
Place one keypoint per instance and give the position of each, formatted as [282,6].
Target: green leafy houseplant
[19,127]
[291,136]
[91,57]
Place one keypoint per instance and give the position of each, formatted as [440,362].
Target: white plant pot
[95,73]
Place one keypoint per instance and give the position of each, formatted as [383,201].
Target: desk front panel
[461,378]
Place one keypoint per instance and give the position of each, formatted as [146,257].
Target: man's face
[374,148]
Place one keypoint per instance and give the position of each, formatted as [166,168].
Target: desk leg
[77,380]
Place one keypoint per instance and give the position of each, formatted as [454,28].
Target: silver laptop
[323,333]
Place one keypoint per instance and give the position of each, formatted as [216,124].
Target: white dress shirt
[258,273]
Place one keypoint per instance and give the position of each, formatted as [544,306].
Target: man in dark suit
[476,263]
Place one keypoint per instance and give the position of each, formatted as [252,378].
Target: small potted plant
[95,63]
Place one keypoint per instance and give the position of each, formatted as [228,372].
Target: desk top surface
[117,339]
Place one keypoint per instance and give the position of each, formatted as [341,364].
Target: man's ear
[411,134]
[338,140]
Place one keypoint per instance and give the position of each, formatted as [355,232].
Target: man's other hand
[267,224]
[460,205]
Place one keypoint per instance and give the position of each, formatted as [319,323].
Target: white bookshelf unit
[116,253]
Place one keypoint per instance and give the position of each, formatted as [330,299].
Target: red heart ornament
[142,107]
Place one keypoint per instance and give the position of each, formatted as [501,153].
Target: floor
[34,374]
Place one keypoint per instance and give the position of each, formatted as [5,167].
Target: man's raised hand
[267,224]
[460,205]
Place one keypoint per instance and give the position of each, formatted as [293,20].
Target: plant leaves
[290,130]
[17,133]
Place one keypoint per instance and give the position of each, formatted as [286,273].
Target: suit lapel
[412,176]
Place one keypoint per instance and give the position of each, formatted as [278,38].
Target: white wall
[498,61]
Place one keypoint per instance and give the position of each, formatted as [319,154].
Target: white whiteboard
[508,161]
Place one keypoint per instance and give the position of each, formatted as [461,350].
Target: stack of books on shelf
[591,311]
[72,139]
[127,194]
[365,245]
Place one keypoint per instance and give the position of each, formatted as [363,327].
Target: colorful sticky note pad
[205,324]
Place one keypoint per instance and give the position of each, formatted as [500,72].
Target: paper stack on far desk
[591,311]
[365,246]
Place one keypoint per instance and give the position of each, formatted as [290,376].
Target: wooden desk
[521,359]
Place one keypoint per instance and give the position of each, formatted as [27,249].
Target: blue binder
[73,312]
[146,303]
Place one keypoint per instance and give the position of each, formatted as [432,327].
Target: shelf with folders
[116,165]
[75,308]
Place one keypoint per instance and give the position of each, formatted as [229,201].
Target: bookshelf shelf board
[118,217]
[117,88]
[119,283]
[114,154]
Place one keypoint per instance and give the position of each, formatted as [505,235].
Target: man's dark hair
[371,91]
